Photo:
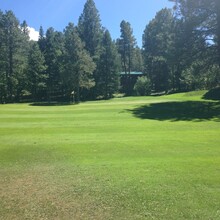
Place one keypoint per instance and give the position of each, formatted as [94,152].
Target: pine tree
[37,77]
[24,29]
[204,19]
[137,61]
[42,40]
[126,48]
[109,66]
[11,44]
[79,66]
[14,43]
[157,46]
[127,45]
[3,79]
[54,48]
[91,31]
[22,61]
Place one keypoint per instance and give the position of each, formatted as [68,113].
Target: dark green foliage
[143,86]
[23,62]
[177,55]
[157,38]
[90,29]
[3,81]
[129,54]
[13,54]
[204,19]
[137,61]
[157,44]
[79,66]
[54,47]
[213,94]
[108,67]
[200,76]
[126,46]
[42,40]
[181,52]
[91,32]
[37,73]
[12,49]
[159,74]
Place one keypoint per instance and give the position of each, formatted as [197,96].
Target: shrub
[142,86]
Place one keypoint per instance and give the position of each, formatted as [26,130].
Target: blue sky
[58,13]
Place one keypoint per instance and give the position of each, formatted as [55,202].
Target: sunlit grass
[126,158]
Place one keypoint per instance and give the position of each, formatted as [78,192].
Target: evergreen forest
[180,52]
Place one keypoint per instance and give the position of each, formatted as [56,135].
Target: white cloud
[33,34]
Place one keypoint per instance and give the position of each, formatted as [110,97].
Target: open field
[129,158]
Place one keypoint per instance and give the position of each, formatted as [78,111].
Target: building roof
[131,73]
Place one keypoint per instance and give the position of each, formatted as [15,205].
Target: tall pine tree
[79,66]
[204,19]
[14,43]
[157,45]
[42,40]
[126,48]
[54,48]
[3,78]
[90,28]
[37,76]
[127,45]
[108,66]
[91,31]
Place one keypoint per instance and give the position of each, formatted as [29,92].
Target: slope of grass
[126,158]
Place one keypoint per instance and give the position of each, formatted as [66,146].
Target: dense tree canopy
[187,43]
[181,51]
[79,66]
[36,72]
[13,54]
[90,28]
[109,65]
[204,17]
[127,48]
[157,45]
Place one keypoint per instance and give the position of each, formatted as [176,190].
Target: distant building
[128,81]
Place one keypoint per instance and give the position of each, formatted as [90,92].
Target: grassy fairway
[129,158]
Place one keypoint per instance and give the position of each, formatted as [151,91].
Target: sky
[58,13]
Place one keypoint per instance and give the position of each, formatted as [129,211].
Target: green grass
[126,158]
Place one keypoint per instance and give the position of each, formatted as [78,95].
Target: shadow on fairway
[179,111]
[51,103]
[213,94]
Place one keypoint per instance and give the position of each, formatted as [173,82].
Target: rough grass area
[126,158]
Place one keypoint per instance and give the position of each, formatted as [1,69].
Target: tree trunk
[124,60]
[77,90]
[129,59]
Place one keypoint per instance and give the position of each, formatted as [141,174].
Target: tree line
[180,52]
[181,47]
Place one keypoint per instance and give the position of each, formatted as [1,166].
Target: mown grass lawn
[128,158]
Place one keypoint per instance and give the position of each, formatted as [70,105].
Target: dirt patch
[37,194]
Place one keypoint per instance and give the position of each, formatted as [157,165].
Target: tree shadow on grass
[51,103]
[179,111]
[213,94]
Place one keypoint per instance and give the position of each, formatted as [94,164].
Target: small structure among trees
[128,81]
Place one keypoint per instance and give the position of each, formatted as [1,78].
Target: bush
[142,86]
[198,76]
